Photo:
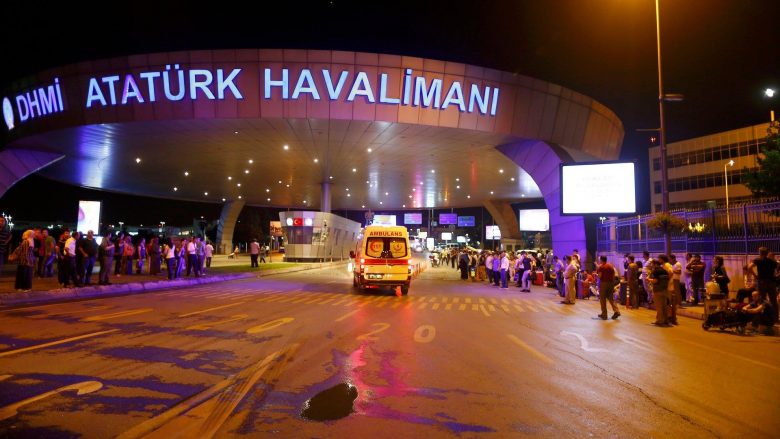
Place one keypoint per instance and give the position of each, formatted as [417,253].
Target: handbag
[13,257]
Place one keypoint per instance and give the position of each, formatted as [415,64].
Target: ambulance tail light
[410,266]
[362,264]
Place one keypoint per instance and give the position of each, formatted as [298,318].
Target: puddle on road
[331,404]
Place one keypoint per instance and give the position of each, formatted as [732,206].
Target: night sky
[720,54]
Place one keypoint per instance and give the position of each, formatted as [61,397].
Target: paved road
[453,358]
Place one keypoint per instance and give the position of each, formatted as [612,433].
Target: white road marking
[584,345]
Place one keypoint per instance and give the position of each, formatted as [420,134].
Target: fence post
[745,227]
[714,233]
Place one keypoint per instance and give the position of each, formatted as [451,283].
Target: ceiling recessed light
[286,147]
[246,171]
[235,132]
[287,185]
[354,169]
[175,189]
[369,150]
[230,178]
[386,193]
[468,196]
[414,189]
[380,202]
[457,179]
[268,199]
[267,190]
[251,161]
[404,205]
[421,183]
[330,178]
[138,159]
[368,182]
[410,196]
[512,179]
[500,171]
[223,200]
[349,195]
[457,187]
[239,197]
[522,195]
[205,193]
[347,189]
[363,206]
[238,184]
[433,171]
[316,160]
[304,201]
[491,192]
[186,173]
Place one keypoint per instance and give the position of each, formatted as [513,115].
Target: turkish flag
[297,221]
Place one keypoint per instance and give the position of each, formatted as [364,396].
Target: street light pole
[662,133]
[726,176]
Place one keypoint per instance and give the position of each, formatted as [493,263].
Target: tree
[765,181]
[666,224]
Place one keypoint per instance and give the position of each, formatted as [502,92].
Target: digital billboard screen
[466,221]
[492,232]
[384,220]
[600,188]
[448,219]
[534,220]
[89,217]
[413,218]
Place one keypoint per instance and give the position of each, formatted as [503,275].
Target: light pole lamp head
[769,92]
[731,162]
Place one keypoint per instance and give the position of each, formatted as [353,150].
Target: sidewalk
[48,290]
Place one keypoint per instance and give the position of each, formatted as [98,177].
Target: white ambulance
[383,259]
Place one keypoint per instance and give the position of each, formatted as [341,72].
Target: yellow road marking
[505,308]
[433,299]
[340,302]
[327,301]
[448,307]
[517,301]
[422,305]
[81,388]
[205,326]
[381,304]
[462,307]
[750,360]
[456,300]
[59,313]
[475,307]
[55,343]
[395,305]
[505,300]
[211,309]
[444,299]
[409,305]
[115,315]
[531,308]
[493,301]
[484,311]
[269,325]
[435,306]
[5,377]
[491,308]
[529,349]
[346,315]
[519,308]
[468,299]
[207,411]
[481,300]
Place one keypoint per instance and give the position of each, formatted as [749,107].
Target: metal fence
[739,229]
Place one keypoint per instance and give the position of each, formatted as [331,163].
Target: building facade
[698,168]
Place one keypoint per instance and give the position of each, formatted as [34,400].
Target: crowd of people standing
[75,255]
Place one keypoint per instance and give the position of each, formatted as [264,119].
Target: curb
[111,290]
[36,297]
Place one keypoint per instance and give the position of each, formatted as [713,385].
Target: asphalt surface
[451,359]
